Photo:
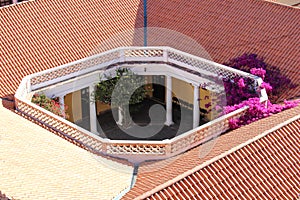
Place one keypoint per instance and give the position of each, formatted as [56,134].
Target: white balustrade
[128,149]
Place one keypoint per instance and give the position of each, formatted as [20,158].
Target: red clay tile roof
[36,164]
[155,176]
[42,34]
[229,28]
[287,2]
[265,169]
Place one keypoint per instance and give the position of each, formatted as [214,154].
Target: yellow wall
[73,101]
[182,90]
[185,92]
[205,99]
[68,103]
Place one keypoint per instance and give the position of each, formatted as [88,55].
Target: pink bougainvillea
[258,72]
[241,83]
[240,91]
[253,64]
[267,86]
[257,110]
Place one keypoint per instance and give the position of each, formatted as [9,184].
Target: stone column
[93,115]
[169,120]
[196,112]
[61,100]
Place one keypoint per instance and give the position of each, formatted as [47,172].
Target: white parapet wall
[144,61]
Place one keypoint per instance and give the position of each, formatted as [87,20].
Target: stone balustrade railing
[133,54]
[132,150]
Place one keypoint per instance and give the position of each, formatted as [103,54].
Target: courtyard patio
[108,127]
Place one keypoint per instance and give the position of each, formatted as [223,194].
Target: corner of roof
[220,156]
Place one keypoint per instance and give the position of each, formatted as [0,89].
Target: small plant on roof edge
[49,104]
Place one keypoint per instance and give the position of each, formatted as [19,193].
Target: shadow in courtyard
[183,119]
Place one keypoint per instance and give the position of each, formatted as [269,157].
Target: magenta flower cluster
[241,83]
[258,72]
[267,86]
[257,110]
[49,104]
[240,92]
[239,89]
[251,63]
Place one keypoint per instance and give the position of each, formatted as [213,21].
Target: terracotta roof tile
[36,164]
[39,35]
[264,169]
[152,175]
[227,29]
[43,34]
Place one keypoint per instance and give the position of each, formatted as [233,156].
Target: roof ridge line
[216,158]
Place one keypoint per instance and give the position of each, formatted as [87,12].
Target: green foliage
[122,85]
[104,90]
